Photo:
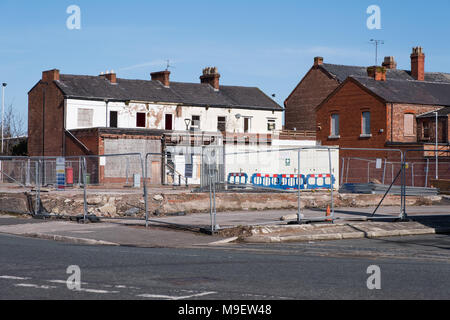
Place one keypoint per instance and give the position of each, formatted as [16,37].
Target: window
[426,130]
[271,125]
[366,131]
[221,124]
[113,119]
[85,118]
[246,125]
[140,120]
[195,122]
[169,122]
[408,124]
[335,125]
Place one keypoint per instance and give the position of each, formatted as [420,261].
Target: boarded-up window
[246,125]
[409,124]
[169,122]
[85,118]
[113,119]
[140,120]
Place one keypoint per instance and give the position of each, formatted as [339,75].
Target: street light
[188,123]
[3,109]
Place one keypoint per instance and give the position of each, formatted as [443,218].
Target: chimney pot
[50,75]
[162,76]
[389,63]
[211,76]
[418,64]
[318,61]
[110,76]
[377,73]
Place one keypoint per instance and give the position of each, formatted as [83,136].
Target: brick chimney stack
[50,75]
[211,76]
[318,61]
[110,76]
[376,72]
[418,64]
[389,63]
[162,76]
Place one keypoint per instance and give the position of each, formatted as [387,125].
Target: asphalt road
[411,268]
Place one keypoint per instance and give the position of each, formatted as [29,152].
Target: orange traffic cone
[328,214]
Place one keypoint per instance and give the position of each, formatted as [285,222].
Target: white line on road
[64,282]
[157,296]
[13,278]
[96,291]
[35,286]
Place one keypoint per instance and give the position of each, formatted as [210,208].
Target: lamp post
[436,152]
[3,110]
[188,123]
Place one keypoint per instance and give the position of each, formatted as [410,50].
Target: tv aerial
[377,43]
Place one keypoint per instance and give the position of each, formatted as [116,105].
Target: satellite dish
[238,116]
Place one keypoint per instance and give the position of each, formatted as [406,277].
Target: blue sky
[268,44]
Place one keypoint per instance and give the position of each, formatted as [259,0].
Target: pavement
[110,234]
[249,227]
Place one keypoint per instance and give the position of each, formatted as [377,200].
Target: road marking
[224,241]
[96,291]
[63,282]
[157,296]
[30,285]
[13,278]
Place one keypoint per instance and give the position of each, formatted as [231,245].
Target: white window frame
[249,124]
[366,131]
[335,126]
[271,122]
[226,121]
[196,126]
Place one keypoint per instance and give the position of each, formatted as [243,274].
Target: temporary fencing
[103,179]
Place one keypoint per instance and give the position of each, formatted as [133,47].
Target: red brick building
[323,78]
[375,111]
[72,115]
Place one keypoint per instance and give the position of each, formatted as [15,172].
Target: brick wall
[349,102]
[397,121]
[301,104]
[51,129]
[448,129]
[387,122]
[89,138]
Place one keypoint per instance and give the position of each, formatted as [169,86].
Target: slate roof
[444,112]
[341,72]
[409,91]
[193,94]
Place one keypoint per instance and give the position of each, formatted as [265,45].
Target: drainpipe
[106,119]
[44,91]
[437,153]
[392,122]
